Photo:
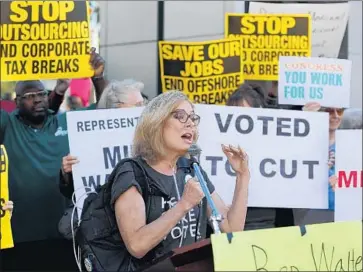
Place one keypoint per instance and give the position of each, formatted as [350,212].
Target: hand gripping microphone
[215,218]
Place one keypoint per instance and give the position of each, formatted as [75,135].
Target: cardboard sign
[320,247]
[208,72]
[267,37]
[322,80]
[348,193]
[6,236]
[44,40]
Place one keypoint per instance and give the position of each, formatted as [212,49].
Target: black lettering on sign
[2,204]
[260,258]
[83,126]
[52,66]
[327,260]
[59,49]
[8,50]
[287,169]
[214,165]
[2,161]
[28,12]
[207,73]
[15,67]
[91,183]
[268,69]
[265,37]
[214,161]
[249,69]
[243,124]
[113,155]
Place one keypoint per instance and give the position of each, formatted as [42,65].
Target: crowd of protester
[40,169]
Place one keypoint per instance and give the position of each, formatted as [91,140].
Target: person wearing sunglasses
[306,216]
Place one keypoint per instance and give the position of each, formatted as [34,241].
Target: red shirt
[7,105]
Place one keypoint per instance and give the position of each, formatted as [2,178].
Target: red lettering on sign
[350,179]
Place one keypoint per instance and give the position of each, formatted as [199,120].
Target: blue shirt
[331,173]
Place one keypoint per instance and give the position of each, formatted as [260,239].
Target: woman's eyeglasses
[339,111]
[182,116]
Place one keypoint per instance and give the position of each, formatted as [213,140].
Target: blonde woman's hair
[116,92]
[148,138]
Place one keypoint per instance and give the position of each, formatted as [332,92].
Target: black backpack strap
[142,178]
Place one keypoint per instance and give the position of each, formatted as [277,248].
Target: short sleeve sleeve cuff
[124,180]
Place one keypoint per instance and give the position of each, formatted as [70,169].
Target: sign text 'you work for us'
[208,72]
[44,39]
[267,37]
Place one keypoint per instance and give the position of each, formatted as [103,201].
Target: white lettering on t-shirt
[189,226]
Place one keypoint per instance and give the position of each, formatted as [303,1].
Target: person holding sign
[8,206]
[303,216]
[335,120]
[165,131]
[35,141]
[124,94]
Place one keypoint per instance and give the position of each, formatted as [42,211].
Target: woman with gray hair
[352,119]
[166,129]
[117,94]
[124,94]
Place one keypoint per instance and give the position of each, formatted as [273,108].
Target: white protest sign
[322,80]
[287,171]
[288,153]
[99,139]
[348,167]
[329,23]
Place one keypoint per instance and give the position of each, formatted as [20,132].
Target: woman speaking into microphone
[166,129]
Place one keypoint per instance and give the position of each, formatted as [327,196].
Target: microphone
[194,153]
[184,163]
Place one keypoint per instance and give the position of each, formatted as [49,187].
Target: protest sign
[348,193]
[109,135]
[6,236]
[329,21]
[322,80]
[44,40]
[267,37]
[287,170]
[208,72]
[287,152]
[320,247]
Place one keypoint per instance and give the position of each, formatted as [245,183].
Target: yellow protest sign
[44,40]
[265,37]
[323,247]
[208,72]
[6,237]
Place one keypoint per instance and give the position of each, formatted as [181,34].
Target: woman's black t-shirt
[190,229]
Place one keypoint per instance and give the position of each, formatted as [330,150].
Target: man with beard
[35,142]
[35,149]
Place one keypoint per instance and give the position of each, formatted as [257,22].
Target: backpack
[98,238]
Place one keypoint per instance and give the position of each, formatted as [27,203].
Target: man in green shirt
[35,142]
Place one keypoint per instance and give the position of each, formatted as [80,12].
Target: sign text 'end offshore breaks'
[208,72]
